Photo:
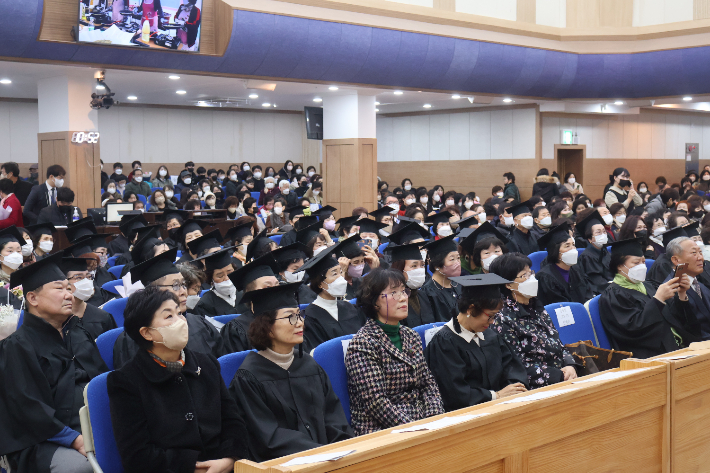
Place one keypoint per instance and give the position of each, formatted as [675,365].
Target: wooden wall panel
[448,5]
[597,171]
[701,9]
[350,174]
[526,11]
[599,13]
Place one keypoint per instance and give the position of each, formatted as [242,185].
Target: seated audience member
[148,245]
[541,221]
[158,202]
[444,262]
[409,261]
[640,319]
[290,260]
[82,248]
[608,220]
[221,299]
[618,212]
[277,220]
[325,215]
[571,185]
[526,326]
[137,185]
[284,396]
[10,207]
[440,224]
[388,379]
[160,272]
[121,244]
[471,362]
[42,196]
[162,179]
[662,266]
[43,239]
[557,281]
[44,367]
[27,248]
[62,212]
[479,248]
[190,230]
[521,239]
[151,434]
[677,219]
[94,320]
[593,263]
[130,197]
[622,190]
[11,242]
[239,237]
[329,316]
[635,227]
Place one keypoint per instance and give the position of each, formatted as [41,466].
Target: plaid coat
[388,387]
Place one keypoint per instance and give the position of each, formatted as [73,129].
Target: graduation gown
[235,333]
[97,321]
[305,293]
[642,324]
[203,338]
[443,301]
[100,296]
[320,326]
[288,411]
[593,267]
[288,238]
[419,311]
[43,375]
[119,245]
[211,304]
[659,271]
[524,243]
[466,373]
[553,287]
[103,276]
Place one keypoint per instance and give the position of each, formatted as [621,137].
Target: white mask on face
[225,288]
[84,289]
[288,168]
[257,175]
[424,200]
[468,204]
[246,167]
[527,222]
[642,190]
[659,230]
[192,301]
[450,202]
[546,222]
[46,246]
[509,221]
[13,260]
[269,185]
[637,274]
[286,191]
[233,177]
[278,210]
[445,231]
[408,187]
[482,217]
[58,182]
[27,249]
[499,194]
[299,171]
[111,190]
[486,262]
[187,180]
[700,244]
[707,207]
[118,171]
[394,207]
[608,219]
[436,197]
[528,288]
[315,193]
[311,173]
[570,257]
[621,219]
[337,288]
[416,278]
[318,251]
[601,240]
[138,179]
[409,201]
[169,194]
[572,180]
[293,277]
[163,173]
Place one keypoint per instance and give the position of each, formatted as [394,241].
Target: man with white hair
[287,194]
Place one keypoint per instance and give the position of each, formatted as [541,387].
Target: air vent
[229,102]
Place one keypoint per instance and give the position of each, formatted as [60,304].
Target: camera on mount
[99,101]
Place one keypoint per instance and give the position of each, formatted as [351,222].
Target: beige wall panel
[526,11]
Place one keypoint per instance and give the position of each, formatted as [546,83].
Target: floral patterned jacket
[529,332]
[388,387]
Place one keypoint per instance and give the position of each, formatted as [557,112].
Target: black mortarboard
[143,249]
[306,234]
[347,221]
[217,260]
[80,247]
[584,225]
[519,209]
[465,223]
[205,242]
[630,247]
[436,219]
[409,232]
[74,264]
[239,231]
[370,226]
[38,274]
[265,265]
[273,298]
[256,246]
[382,212]
[11,234]
[556,235]
[129,223]
[170,214]
[304,222]
[485,230]
[443,246]
[41,229]
[141,232]
[189,226]
[298,211]
[672,234]
[320,263]
[291,252]
[324,212]
[80,228]
[155,268]
[405,252]
[479,287]
[349,247]
[98,241]
[692,229]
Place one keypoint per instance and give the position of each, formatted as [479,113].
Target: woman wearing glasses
[526,326]
[283,394]
[388,379]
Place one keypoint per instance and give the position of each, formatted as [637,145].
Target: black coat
[553,287]
[56,217]
[287,411]
[419,311]
[97,321]
[119,245]
[593,266]
[524,243]
[165,421]
[211,304]
[546,187]
[235,333]
[22,190]
[659,270]
[203,338]
[43,375]
[36,201]
[320,326]
[443,301]
[467,373]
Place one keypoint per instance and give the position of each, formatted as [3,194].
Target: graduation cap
[205,242]
[485,230]
[370,226]
[672,234]
[321,263]
[141,232]
[692,229]
[346,222]
[257,244]
[405,252]
[239,231]
[304,222]
[299,211]
[586,224]
[41,229]
[79,247]
[291,252]
[265,265]
[467,222]
[38,274]
[382,212]
[479,286]
[12,234]
[155,268]
[98,240]
[324,212]
[409,232]
[273,298]
[170,214]
[306,234]
[630,247]
[217,260]
[129,223]
[349,247]
[443,246]
[80,228]
[436,219]
[555,236]
[74,264]
[519,209]
[144,246]
[189,226]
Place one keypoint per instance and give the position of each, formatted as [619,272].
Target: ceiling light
[619,102]
[377,109]
[5,81]
[398,92]
[470,99]
[332,87]
[456,96]
[377,103]
[202,103]
[100,87]
[507,100]
[687,99]
[317,99]
[174,77]
[253,96]
[427,105]
[181,92]
[266,104]
[275,105]
[132,97]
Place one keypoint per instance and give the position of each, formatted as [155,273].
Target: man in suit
[44,195]
[21,188]
[60,213]
[683,250]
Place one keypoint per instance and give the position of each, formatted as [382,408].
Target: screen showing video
[157,24]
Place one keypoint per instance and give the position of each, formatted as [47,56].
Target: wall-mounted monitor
[314,123]
[151,24]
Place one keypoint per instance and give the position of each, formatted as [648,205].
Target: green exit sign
[567,137]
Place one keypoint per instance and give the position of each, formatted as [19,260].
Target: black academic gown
[419,311]
[43,375]
[538,232]
[552,286]
[642,324]
[659,270]
[351,290]
[288,411]
[235,332]
[524,243]
[119,245]
[288,238]
[203,338]
[100,296]
[320,326]
[127,268]
[103,276]
[443,301]
[305,293]
[466,373]
[97,321]
[593,267]
[211,304]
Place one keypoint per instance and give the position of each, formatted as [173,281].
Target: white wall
[503,9]
[551,13]
[645,136]
[175,135]
[503,134]
[19,125]
[656,12]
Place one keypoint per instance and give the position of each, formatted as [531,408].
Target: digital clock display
[85,137]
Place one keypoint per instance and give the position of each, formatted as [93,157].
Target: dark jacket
[546,187]
[165,421]
[54,215]
[36,201]
[511,190]
[22,190]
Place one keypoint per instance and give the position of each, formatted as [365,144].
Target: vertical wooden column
[350,174]
[81,161]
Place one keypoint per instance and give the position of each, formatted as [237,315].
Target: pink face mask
[452,271]
[329,225]
[356,271]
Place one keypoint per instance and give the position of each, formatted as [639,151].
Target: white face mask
[509,221]
[374,242]
[311,173]
[416,278]
[337,288]
[318,251]
[408,187]
[293,277]
[608,219]
[499,194]
[84,289]
[707,207]
[601,240]
[572,180]
[424,200]
[528,288]
[257,175]
[286,191]
[246,167]
[394,207]
[482,217]
[169,194]
[546,222]
[621,219]
[316,193]
[468,204]
[138,179]
[700,244]
[436,197]
[225,288]
[199,193]
[233,177]
[111,190]
[46,246]
[58,182]
[299,171]
[313,207]
[445,231]
[289,167]
[13,260]
[659,230]
[278,210]
[27,249]
[570,257]
[637,274]
[642,190]
[118,171]
[450,202]
[486,262]
[192,301]
[187,181]
[269,185]
[163,173]
[409,201]
[527,222]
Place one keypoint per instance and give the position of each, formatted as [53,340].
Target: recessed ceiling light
[174,77]
[507,100]
[317,99]
[332,87]
[398,92]
[687,99]
[456,96]
[132,97]
[100,87]
[201,103]
[275,105]
[427,105]
[377,103]
[470,99]
[266,104]
[5,81]
[377,109]
[619,102]
[181,92]
[253,96]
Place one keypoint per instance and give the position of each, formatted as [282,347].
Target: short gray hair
[674,248]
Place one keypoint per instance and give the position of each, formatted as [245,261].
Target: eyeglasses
[294,318]
[175,286]
[396,295]
[526,276]
[491,317]
[79,277]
